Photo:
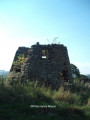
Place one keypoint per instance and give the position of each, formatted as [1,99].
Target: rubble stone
[47,63]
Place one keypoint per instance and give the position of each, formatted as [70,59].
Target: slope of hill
[3,72]
[88,75]
[34,102]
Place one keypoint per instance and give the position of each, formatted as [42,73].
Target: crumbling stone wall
[47,63]
[20,51]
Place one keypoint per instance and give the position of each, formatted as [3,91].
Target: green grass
[70,104]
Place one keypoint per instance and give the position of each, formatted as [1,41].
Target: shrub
[88,102]
[67,96]
[17,64]
[18,98]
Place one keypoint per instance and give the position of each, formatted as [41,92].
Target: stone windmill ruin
[47,63]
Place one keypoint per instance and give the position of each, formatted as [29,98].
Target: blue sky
[24,22]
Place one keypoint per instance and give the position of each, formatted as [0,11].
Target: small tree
[84,78]
[75,71]
[54,41]
[75,74]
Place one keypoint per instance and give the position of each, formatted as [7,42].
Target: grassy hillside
[34,102]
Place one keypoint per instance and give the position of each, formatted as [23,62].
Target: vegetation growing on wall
[18,63]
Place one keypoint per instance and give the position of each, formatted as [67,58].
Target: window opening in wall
[45,54]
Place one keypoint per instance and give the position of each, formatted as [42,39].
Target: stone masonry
[49,64]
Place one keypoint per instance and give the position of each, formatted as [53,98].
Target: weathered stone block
[47,62]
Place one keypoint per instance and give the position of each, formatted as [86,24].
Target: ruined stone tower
[47,63]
